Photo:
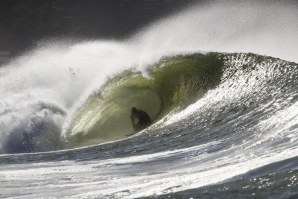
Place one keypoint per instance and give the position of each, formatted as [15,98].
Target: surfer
[139,119]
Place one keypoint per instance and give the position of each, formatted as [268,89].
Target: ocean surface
[219,80]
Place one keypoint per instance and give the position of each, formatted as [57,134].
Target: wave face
[225,123]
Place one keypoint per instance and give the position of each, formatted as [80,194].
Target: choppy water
[236,140]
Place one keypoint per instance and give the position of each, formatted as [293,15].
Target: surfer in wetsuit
[139,119]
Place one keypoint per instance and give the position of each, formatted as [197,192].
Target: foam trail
[63,75]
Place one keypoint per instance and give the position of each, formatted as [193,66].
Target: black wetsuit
[140,119]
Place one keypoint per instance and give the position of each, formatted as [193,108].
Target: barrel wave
[171,84]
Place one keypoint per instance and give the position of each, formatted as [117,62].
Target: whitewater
[219,79]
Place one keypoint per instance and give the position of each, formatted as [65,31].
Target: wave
[170,85]
[167,87]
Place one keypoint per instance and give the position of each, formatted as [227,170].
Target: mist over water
[41,89]
[263,27]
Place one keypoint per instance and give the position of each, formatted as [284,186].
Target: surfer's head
[133,109]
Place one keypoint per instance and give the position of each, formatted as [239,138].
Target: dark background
[25,22]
